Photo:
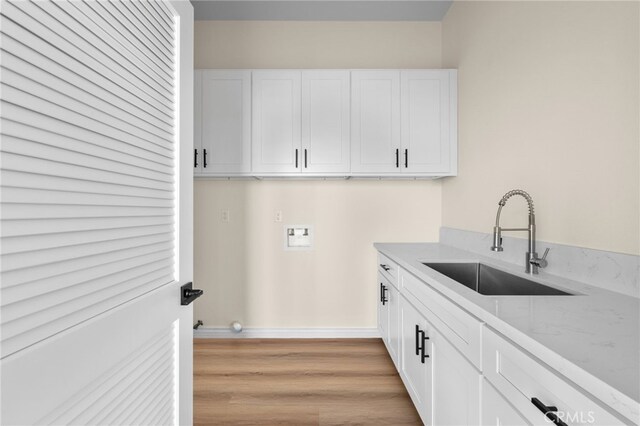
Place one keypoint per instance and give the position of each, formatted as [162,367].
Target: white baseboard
[286,333]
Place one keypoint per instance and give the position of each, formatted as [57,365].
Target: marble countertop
[592,338]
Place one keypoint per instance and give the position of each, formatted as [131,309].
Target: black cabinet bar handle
[385,267]
[381,291]
[195,158]
[548,411]
[296,158]
[305,158]
[397,158]
[418,339]
[384,295]
[204,158]
[406,158]
[423,349]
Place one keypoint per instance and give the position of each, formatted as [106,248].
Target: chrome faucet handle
[541,262]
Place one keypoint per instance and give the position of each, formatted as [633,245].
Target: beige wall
[290,44]
[247,275]
[241,265]
[548,102]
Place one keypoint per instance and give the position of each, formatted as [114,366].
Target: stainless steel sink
[493,282]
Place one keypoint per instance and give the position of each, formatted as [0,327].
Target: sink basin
[493,282]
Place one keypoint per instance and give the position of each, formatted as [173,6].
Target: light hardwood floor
[298,382]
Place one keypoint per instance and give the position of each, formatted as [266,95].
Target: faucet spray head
[497,239]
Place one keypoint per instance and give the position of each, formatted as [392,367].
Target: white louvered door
[96,120]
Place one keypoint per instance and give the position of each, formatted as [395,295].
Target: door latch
[188,294]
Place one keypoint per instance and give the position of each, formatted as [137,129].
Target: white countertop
[592,338]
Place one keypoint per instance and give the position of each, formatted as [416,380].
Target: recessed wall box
[298,237]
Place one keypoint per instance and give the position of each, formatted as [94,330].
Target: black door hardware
[195,158]
[549,411]
[421,344]
[305,158]
[188,294]
[383,294]
[296,158]
[385,267]
[406,158]
[204,158]
[397,158]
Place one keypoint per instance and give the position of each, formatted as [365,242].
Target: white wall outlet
[278,216]
[225,215]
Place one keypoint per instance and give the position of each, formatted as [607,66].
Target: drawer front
[520,377]
[459,327]
[388,268]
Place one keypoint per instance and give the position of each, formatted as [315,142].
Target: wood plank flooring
[298,382]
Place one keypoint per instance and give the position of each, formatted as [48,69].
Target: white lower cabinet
[459,371]
[443,385]
[388,316]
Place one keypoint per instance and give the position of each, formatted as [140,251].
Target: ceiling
[321,10]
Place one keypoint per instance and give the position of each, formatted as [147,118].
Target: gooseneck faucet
[532,261]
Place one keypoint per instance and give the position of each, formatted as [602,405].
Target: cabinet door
[429,137]
[497,411]
[394,324]
[325,121]
[456,384]
[276,122]
[383,309]
[225,121]
[375,117]
[417,376]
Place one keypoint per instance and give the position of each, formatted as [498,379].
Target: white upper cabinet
[404,122]
[223,122]
[429,122]
[375,117]
[325,121]
[388,123]
[276,121]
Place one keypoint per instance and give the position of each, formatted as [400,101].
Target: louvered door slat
[87,291]
[151,54]
[97,25]
[45,324]
[100,40]
[16,101]
[27,148]
[151,65]
[21,130]
[15,27]
[19,179]
[52,93]
[19,284]
[45,167]
[131,373]
[57,127]
[30,243]
[23,72]
[34,50]
[151,27]
[12,195]
[27,212]
[149,8]
[122,14]
[20,90]
[127,389]
[77,38]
